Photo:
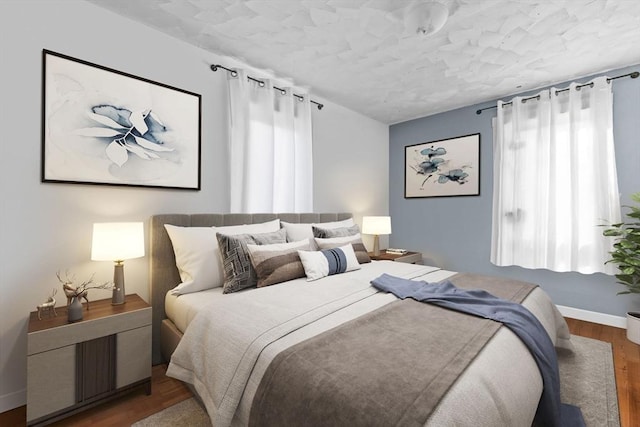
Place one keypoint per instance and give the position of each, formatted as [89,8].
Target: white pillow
[319,264]
[297,232]
[198,256]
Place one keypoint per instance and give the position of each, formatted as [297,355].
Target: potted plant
[626,256]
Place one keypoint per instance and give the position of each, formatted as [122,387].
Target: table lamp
[117,241]
[376,225]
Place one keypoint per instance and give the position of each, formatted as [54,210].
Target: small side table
[409,257]
[73,366]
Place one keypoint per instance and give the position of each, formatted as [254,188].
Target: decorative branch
[75,291]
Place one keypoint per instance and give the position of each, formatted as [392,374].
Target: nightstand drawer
[86,330]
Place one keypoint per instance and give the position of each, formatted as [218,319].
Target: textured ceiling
[359,54]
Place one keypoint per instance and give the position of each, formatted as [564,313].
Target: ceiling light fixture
[425,18]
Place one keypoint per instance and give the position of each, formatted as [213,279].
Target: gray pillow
[327,233]
[238,272]
[356,241]
[277,263]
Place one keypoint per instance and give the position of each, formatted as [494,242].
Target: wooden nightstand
[409,257]
[73,366]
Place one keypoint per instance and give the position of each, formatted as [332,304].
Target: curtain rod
[234,73]
[633,75]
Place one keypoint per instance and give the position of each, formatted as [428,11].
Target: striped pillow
[277,263]
[238,272]
[319,264]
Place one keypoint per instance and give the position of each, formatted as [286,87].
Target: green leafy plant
[626,253]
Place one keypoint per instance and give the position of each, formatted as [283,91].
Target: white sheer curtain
[555,180]
[270,148]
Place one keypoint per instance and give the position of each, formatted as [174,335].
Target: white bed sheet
[181,309]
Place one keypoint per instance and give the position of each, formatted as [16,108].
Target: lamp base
[376,245]
[118,295]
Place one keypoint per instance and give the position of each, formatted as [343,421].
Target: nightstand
[74,366]
[409,257]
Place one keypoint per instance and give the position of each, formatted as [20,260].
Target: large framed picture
[102,126]
[448,167]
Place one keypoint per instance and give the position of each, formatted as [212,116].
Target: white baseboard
[593,316]
[10,401]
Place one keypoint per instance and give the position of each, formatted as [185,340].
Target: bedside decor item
[103,126]
[80,291]
[117,241]
[76,293]
[626,256]
[74,310]
[376,225]
[448,167]
[48,306]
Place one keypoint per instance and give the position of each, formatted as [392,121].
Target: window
[270,148]
[555,180]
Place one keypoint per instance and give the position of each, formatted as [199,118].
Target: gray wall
[455,232]
[47,227]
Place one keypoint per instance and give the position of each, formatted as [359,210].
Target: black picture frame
[443,168]
[102,126]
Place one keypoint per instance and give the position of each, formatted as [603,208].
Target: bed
[226,345]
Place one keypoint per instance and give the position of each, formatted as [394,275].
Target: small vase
[74,310]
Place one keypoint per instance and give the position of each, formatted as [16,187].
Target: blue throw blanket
[514,316]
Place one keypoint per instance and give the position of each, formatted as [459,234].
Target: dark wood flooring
[166,391]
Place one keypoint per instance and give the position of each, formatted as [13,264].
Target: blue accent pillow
[318,264]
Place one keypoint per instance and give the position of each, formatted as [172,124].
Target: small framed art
[448,167]
[103,126]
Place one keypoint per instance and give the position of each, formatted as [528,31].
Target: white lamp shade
[117,241]
[377,225]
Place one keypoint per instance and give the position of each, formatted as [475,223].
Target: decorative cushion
[236,264]
[278,262]
[297,232]
[197,253]
[326,233]
[318,264]
[355,240]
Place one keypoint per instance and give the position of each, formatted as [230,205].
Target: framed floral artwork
[106,127]
[448,167]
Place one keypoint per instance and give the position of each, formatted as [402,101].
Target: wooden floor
[626,361]
[123,411]
[167,391]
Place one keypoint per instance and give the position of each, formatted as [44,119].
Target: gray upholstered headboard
[163,274]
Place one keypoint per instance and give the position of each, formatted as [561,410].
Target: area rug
[587,380]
